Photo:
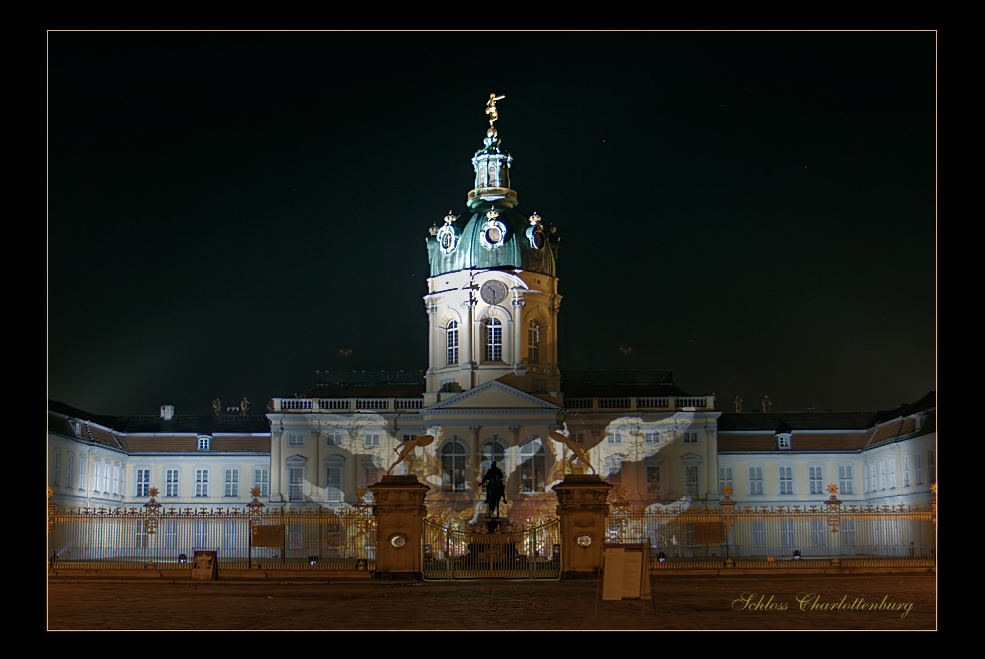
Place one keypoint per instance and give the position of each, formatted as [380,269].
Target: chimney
[167,411]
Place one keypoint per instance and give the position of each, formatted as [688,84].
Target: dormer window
[203,442]
[783,440]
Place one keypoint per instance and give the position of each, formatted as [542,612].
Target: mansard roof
[825,431]
[136,434]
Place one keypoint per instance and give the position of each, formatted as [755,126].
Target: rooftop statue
[491,107]
[406,449]
[576,449]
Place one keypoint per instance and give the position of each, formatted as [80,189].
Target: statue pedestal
[582,509]
[399,511]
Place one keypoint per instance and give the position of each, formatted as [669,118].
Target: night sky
[229,211]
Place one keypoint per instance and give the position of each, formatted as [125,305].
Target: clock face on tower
[493,292]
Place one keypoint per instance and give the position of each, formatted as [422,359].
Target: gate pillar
[582,509]
[399,511]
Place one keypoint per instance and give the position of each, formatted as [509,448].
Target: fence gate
[497,549]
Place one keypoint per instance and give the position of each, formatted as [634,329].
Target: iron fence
[455,550]
[808,536]
[167,538]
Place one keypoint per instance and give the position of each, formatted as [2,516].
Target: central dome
[491,235]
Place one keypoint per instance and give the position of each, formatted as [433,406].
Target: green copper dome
[492,234]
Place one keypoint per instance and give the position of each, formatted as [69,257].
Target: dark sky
[227,211]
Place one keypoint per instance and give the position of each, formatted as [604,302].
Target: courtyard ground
[908,601]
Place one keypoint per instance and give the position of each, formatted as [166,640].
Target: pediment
[492,396]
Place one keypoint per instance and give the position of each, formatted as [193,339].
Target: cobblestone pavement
[678,603]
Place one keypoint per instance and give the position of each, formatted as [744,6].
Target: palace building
[493,391]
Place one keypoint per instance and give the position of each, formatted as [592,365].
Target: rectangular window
[106,478]
[141,536]
[755,480]
[614,438]
[882,474]
[232,482]
[170,535]
[847,533]
[816,479]
[68,469]
[846,479]
[919,470]
[296,492]
[82,472]
[651,438]
[58,465]
[613,465]
[294,536]
[865,477]
[334,480]
[201,482]
[261,481]
[296,438]
[653,482]
[116,478]
[758,533]
[371,473]
[335,439]
[786,480]
[203,443]
[786,534]
[95,476]
[229,535]
[930,466]
[371,441]
[818,533]
[724,479]
[690,438]
[892,472]
[906,470]
[143,482]
[201,534]
[171,483]
[691,481]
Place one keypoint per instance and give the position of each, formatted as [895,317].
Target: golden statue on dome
[491,108]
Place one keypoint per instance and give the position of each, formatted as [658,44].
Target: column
[475,458]
[518,304]
[275,464]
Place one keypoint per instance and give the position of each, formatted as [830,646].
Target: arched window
[451,338]
[533,467]
[533,343]
[494,340]
[453,460]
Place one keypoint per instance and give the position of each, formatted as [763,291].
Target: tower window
[533,342]
[494,340]
[451,336]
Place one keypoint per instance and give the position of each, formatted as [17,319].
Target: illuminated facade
[493,391]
